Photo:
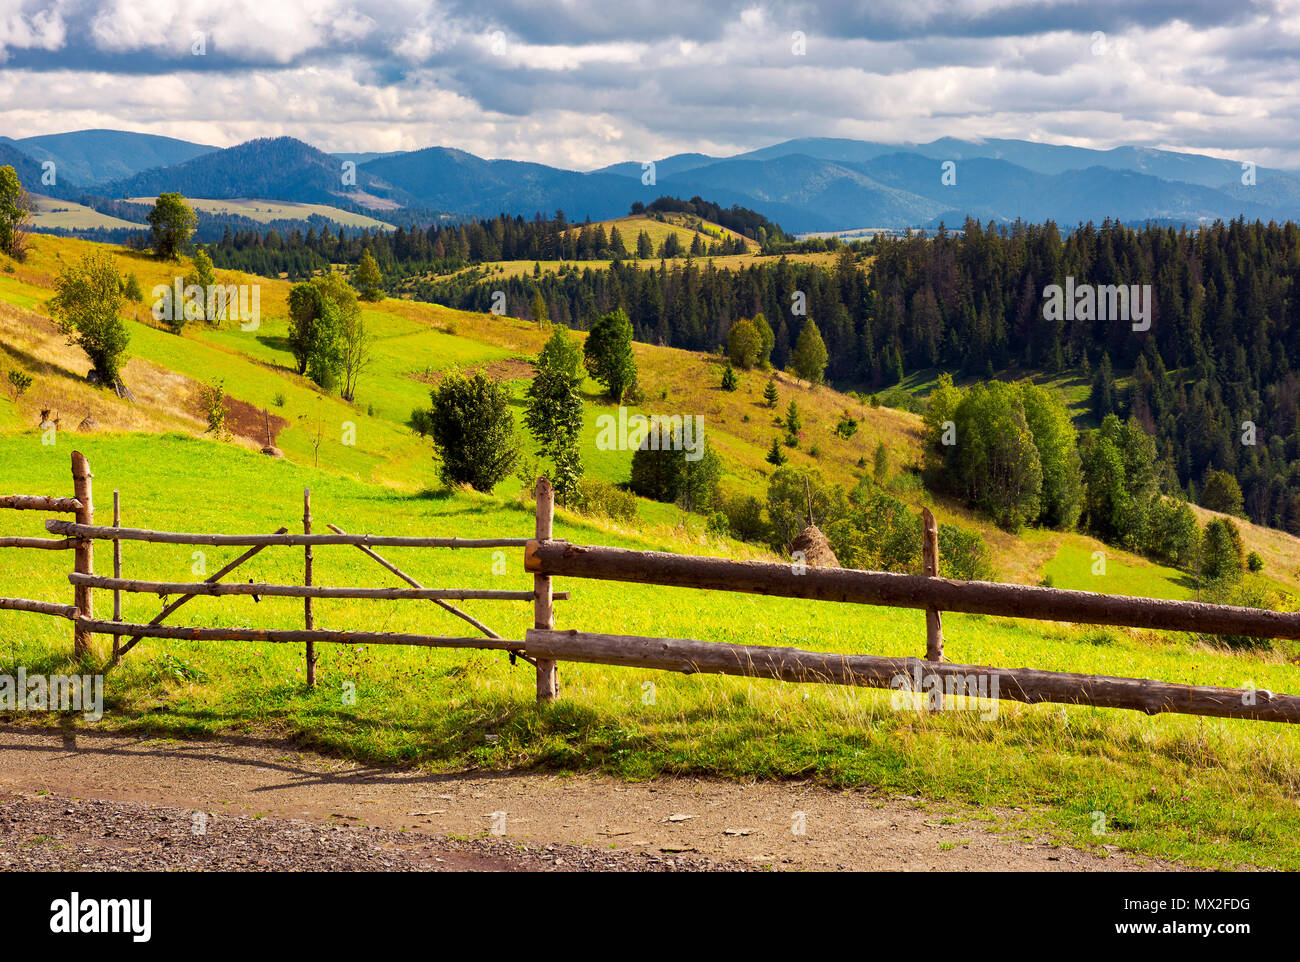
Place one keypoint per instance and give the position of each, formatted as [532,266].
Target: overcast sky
[583,83]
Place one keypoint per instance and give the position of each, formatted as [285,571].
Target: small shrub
[212,402]
[131,289]
[601,499]
[1101,637]
[20,381]
[278,400]
[745,517]
[1254,561]
[527,470]
[963,554]
[718,525]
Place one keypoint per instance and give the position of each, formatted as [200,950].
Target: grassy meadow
[1211,792]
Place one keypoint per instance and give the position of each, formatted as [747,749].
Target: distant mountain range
[807,185]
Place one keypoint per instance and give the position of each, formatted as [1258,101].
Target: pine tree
[793,422]
[729,380]
[540,314]
[775,455]
[1102,399]
[554,411]
[810,354]
[368,280]
[769,393]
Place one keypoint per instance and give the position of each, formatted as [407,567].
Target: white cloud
[364,75]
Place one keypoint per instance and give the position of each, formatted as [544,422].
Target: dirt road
[136,803]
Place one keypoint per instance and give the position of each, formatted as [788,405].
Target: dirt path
[691,823]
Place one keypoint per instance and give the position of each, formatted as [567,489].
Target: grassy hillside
[50,213]
[415,341]
[265,211]
[685,226]
[1213,792]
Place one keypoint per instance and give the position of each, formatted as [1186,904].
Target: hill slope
[280,168]
[94,156]
[416,341]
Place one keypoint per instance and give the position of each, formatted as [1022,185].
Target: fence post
[83,553]
[117,568]
[930,555]
[308,616]
[548,671]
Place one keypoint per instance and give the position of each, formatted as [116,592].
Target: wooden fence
[80,535]
[544,647]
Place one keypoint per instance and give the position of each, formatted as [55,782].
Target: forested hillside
[1224,324]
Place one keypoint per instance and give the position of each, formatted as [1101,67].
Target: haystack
[816,549]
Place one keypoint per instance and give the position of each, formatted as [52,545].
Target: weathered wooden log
[297,636]
[40,607]
[264,540]
[910,674]
[117,561]
[36,502]
[48,544]
[212,589]
[548,669]
[904,591]
[309,619]
[930,560]
[84,552]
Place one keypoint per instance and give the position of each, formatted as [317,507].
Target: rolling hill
[267,211]
[88,157]
[277,169]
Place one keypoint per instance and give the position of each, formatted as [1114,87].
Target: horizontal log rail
[36,502]
[191,588]
[102,533]
[49,544]
[294,635]
[871,671]
[40,607]
[903,591]
[183,599]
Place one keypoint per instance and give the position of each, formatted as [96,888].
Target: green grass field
[265,211]
[1082,564]
[51,213]
[1211,792]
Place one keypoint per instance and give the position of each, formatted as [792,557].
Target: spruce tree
[368,280]
[810,354]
